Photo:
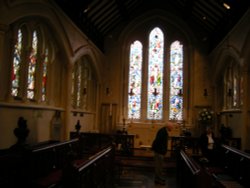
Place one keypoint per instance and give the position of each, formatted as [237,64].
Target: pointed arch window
[176,81]
[233,81]
[83,86]
[159,85]
[155,74]
[77,86]
[45,74]
[16,65]
[135,80]
[30,66]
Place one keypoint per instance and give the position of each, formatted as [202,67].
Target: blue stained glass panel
[176,81]
[135,81]
[15,77]
[155,74]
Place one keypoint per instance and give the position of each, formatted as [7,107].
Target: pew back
[236,163]
[190,173]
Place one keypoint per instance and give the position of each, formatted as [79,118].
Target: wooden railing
[191,164]
[230,169]
[124,143]
[97,171]
[236,164]
[50,166]
[190,173]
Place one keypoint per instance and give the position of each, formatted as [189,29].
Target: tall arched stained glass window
[79,85]
[83,85]
[32,67]
[176,81]
[32,54]
[16,65]
[45,69]
[155,91]
[155,74]
[233,81]
[135,80]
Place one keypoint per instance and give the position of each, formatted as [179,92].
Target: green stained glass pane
[16,65]
[176,81]
[155,74]
[135,80]
[32,67]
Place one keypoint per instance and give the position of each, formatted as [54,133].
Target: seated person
[208,144]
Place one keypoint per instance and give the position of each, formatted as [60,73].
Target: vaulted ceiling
[210,20]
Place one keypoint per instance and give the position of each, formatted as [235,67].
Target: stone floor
[138,172]
[144,178]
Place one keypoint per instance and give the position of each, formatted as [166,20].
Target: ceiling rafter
[99,18]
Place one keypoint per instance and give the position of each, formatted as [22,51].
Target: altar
[145,133]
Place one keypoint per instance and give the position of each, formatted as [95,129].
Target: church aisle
[144,178]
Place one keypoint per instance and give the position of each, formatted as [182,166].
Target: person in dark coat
[159,146]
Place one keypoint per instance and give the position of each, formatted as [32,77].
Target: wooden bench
[232,168]
[190,173]
[96,171]
[235,165]
[46,163]
[47,167]
[92,142]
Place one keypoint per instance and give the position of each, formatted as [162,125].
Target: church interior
[87,84]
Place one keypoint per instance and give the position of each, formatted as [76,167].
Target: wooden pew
[45,167]
[97,171]
[92,142]
[236,167]
[190,173]
[46,163]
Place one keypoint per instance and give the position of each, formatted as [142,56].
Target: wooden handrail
[94,158]
[237,151]
[195,169]
[55,145]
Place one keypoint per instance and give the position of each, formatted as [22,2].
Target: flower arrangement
[206,116]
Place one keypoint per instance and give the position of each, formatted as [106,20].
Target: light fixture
[86,10]
[227,6]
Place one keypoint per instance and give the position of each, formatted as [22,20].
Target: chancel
[86,85]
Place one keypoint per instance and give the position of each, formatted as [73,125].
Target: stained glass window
[32,67]
[44,78]
[233,81]
[85,85]
[135,81]
[155,74]
[160,82]
[73,87]
[16,65]
[176,81]
[79,86]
